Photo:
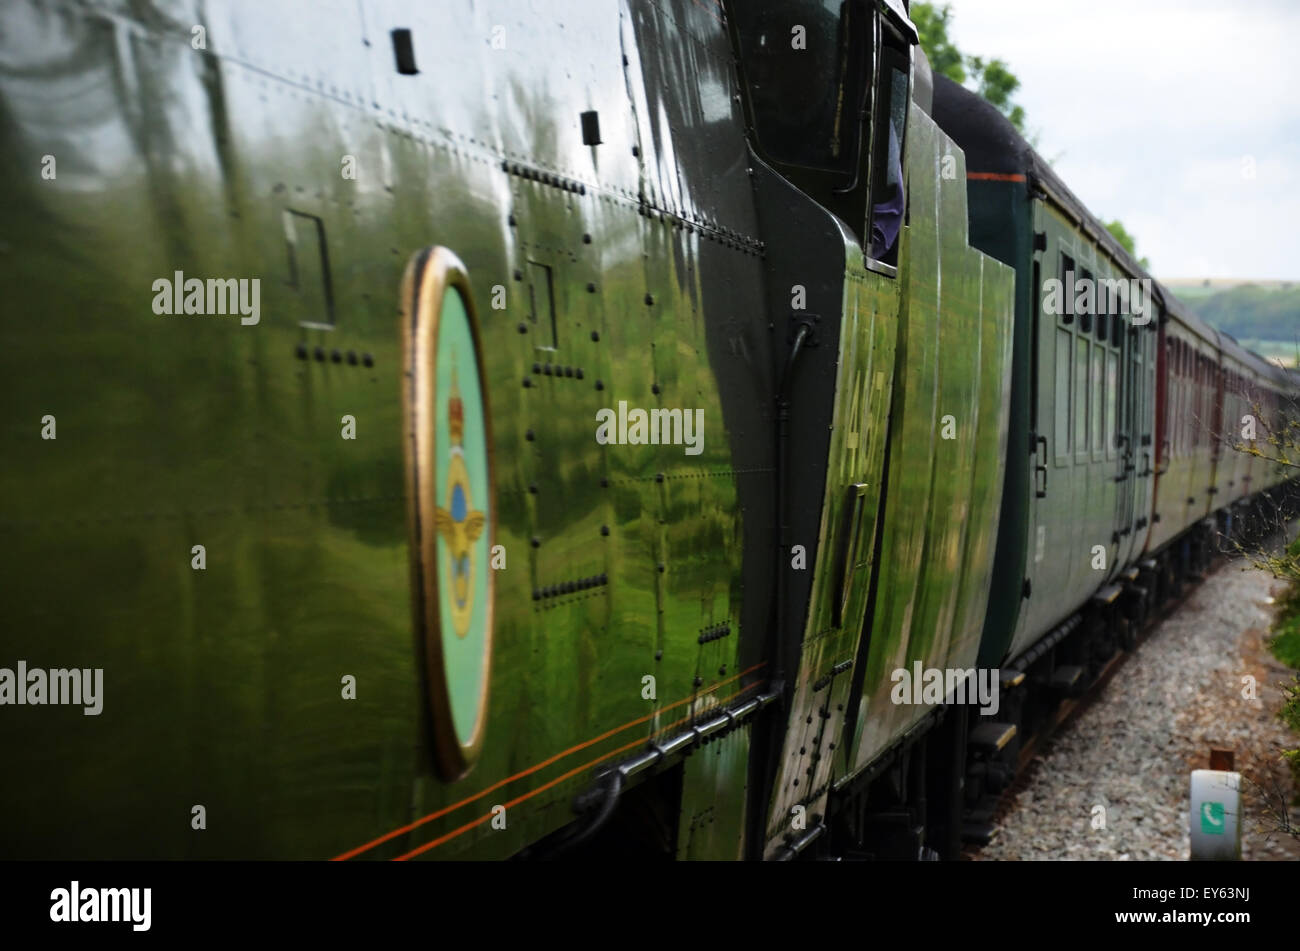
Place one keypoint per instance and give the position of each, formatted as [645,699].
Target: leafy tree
[1290,715]
[932,25]
[996,84]
[1120,234]
[1278,441]
[992,78]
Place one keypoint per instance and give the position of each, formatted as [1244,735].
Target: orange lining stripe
[994,177]
[558,779]
[529,771]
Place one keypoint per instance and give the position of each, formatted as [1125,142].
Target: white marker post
[1216,815]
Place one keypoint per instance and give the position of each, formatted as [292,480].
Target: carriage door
[1050,450]
[1144,340]
[1124,389]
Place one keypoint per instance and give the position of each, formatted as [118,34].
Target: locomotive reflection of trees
[561,646]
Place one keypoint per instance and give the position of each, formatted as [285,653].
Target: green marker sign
[1212,818]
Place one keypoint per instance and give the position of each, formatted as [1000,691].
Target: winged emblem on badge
[459,524]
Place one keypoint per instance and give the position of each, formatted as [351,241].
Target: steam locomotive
[474,430]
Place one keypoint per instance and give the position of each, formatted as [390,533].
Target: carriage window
[1098,396]
[1089,301]
[1175,403]
[1200,398]
[805,68]
[1067,285]
[1112,401]
[1103,310]
[1061,447]
[1080,407]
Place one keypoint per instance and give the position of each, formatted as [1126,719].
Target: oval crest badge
[451,507]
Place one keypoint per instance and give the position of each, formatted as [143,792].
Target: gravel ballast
[1113,783]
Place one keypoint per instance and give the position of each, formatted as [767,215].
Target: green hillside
[1253,311]
[1264,318]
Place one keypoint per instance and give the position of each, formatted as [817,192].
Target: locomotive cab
[826,88]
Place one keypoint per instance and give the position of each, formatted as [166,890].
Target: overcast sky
[1156,111]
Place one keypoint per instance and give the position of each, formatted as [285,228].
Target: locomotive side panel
[843,554]
[322,176]
[997,319]
[935,488]
[222,682]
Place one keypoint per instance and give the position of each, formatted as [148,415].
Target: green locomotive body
[236,501]
[462,431]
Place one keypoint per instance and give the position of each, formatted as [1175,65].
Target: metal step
[1108,594]
[1067,679]
[991,737]
[978,833]
[982,813]
[1009,677]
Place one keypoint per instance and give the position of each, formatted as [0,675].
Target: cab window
[888,185]
[805,65]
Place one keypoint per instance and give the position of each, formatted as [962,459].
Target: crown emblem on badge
[455,413]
